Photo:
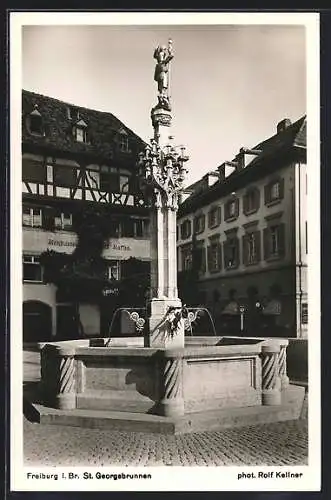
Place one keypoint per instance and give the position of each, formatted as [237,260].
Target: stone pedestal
[58,377]
[271,385]
[159,334]
[172,402]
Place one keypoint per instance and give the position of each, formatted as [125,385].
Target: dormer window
[123,141]
[80,131]
[73,113]
[35,122]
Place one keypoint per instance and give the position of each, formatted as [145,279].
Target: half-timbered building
[85,221]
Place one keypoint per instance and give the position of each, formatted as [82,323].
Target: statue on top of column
[163,55]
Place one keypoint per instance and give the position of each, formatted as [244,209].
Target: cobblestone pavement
[284,443]
[268,444]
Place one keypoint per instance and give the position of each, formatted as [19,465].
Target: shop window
[251,201]
[32,269]
[32,217]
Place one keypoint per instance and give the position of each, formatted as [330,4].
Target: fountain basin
[220,384]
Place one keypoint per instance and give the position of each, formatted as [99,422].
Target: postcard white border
[168,478]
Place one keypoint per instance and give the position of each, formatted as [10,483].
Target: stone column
[58,376]
[284,380]
[172,402]
[271,394]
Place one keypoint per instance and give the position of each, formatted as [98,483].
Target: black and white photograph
[165,293]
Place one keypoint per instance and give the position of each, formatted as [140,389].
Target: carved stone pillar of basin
[282,362]
[271,384]
[58,376]
[171,403]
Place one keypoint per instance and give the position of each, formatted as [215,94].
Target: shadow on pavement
[31,395]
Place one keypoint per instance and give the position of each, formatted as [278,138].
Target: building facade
[85,220]
[242,242]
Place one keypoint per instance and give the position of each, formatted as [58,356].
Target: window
[186,258]
[123,184]
[114,229]
[32,270]
[80,134]
[199,224]
[231,253]
[274,241]
[199,257]
[140,228]
[32,217]
[304,313]
[231,209]
[65,176]
[73,113]
[123,142]
[214,257]
[114,270]
[109,181]
[252,248]
[63,220]
[251,201]
[185,229]
[128,228]
[33,171]
[274,191]
[214,217]
[36,124]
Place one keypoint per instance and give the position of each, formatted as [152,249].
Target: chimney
[282,125]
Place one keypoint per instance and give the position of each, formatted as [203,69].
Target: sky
[230,84]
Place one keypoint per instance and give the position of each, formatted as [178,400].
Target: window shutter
[209,249]
[257,199]
[226,211]
[281,188]
[203,260]
[219,215]
[203,223]
[245,249]
[225,255]
[237,252]
[266,243]
[267,194]
[219,250]
[209,218]
[245,204]
[257,235]
[48,218]
[281,233]
[237,207]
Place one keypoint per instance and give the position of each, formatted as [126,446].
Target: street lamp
[242,312]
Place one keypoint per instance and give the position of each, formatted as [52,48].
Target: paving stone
[284,443]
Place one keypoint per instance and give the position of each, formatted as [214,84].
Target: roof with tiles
[103,129]
[276,151]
